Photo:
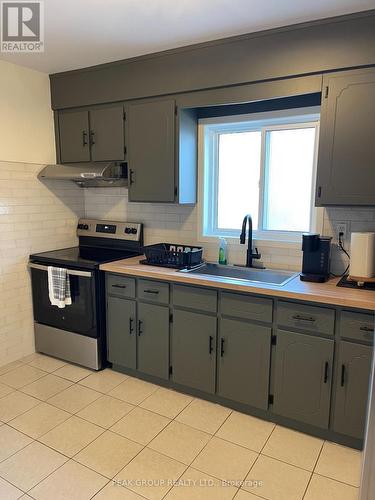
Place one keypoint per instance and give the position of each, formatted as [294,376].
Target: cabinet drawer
[154,291]
[243,306]
[357,326]
[311,318]
[195,298]
[120,285]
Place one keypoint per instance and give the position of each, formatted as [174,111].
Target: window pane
[238,182]
[289,168]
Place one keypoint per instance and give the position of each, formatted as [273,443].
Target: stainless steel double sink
[243,274]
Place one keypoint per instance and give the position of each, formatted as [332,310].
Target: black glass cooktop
[86,257]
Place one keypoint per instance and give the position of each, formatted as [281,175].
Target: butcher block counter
[322,293]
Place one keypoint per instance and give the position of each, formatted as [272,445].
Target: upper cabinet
[157,139]
[151,151]
[74,136]
[95,134]
[346,160]
[162,152]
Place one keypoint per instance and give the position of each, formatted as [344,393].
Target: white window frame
[208,130]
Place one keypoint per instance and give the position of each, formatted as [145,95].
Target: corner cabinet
[93,134]
[345,172]
[162,152]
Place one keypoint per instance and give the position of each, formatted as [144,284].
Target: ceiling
[80,33]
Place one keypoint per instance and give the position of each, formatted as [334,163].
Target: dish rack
[172,255]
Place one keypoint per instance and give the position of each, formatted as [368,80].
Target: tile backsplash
[34,217]
[174,223]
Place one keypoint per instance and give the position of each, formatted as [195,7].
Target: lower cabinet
[138,336]
[244,351]
[303,377]
[194,350]
[225,345]
[153,340]
[352,388]
[121,332]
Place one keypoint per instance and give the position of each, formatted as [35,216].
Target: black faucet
[249,254]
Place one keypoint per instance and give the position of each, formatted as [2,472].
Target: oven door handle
[71,272]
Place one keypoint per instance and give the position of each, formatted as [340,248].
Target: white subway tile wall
[173,223]
[34,217]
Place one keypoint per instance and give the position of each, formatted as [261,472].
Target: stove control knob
[134,230]
[128,230]
[85,226]
[80,226]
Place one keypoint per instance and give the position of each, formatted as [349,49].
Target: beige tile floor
[69,433]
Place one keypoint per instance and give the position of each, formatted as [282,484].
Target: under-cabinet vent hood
[90,174]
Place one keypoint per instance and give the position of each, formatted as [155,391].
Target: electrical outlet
[341,227]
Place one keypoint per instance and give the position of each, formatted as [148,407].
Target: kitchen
[134,153]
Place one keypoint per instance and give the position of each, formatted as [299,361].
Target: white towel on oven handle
[59,287]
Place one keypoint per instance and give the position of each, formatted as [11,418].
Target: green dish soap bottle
[223,257]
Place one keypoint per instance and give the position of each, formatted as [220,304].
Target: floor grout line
[143,446]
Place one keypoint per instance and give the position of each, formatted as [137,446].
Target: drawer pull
[140,331]
[298,317]
[151,291]
[210,344]
[326,368]
[342,375]
[131,329]
[367,329]
[222,341]
[118,286]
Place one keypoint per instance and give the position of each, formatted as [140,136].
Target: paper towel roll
[362,255]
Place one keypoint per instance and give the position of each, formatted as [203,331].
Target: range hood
[88,174]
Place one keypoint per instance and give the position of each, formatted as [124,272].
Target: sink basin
[253,275]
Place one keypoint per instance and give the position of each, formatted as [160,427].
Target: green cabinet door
[303,377]
[74,136]
[153,340]
[244,362]
[121,331]
[345,172]
[151,151]
[194,350]
[352,389]
[107,134]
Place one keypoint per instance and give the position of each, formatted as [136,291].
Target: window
[262,164]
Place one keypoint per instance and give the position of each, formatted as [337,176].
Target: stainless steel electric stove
[77,333]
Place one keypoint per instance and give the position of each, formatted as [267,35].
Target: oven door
[80,316]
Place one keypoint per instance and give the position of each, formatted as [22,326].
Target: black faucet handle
[256,255]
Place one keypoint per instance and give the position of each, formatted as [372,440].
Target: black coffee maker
[316,258]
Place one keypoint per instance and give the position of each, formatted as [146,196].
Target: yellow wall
[26,118]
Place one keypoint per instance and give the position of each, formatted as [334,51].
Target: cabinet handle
[118,286]
[151,291]
[92,138]
[140,331]
[367,329]
[326,368]
[304,318]
[84,138]
[131,176]
[342,375]
[222,341]
[131,329]
[210,344]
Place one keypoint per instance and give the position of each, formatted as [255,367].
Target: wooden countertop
[323,293]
